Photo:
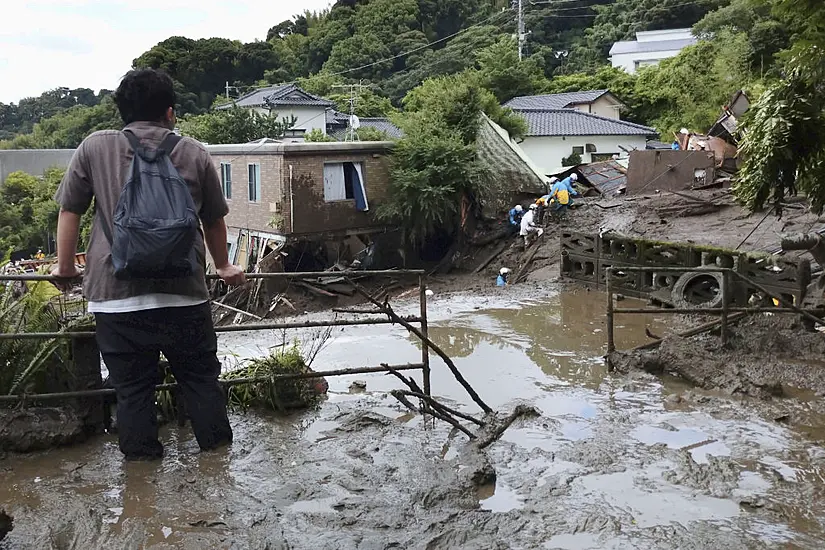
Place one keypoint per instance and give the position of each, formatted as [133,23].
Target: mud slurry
[613,462]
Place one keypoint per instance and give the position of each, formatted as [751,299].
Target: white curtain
[362,183]
[334,189]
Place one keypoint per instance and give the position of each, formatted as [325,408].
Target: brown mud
[615,462]
[766,356]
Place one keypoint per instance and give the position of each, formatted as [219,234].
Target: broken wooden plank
[496,253]
[238,311]
[523,271]
[344,289]
[315,290]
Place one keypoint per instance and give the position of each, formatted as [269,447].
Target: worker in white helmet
[528,225]
[515,216]
[562,191]
[503,274]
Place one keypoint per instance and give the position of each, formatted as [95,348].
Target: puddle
[612,463]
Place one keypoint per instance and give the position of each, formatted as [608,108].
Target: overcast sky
[45,44]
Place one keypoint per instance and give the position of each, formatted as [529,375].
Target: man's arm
[212,214]
[68,230]
[214,235]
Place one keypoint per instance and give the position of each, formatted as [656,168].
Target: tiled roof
[379,123]
[277,96]
[567,122]
[555,101]
[633,46]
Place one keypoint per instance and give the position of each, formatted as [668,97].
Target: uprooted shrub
[276,394]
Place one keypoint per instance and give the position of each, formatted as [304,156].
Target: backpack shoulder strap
[169,143]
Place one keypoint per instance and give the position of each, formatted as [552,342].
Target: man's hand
[67,275]
[232,275]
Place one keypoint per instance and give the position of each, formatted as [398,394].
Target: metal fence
[420,319]
[724,311]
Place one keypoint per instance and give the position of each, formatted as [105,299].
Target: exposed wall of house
[669,170]
[312,213]
[548,152]
[33,161]
[309,118]
[602,107]
[244,214]
[631,62]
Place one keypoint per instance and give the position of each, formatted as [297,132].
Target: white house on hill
[649,48]
[596,102]
[286,101]
[560,125]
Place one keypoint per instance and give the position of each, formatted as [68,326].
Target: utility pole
[352,127]
[227,89]
[521,35]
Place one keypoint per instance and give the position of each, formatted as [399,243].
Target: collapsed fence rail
[421,319]
[724,311]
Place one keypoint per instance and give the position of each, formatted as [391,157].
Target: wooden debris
[315,290]
[496,253]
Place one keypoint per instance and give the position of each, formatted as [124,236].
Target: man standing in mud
[138,317]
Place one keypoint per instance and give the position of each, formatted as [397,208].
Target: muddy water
[613,462]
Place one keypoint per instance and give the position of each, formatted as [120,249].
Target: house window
[341,179]
[226,179]
[254,182]
[590,148]
[578,150]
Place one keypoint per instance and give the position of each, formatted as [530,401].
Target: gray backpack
[155,222]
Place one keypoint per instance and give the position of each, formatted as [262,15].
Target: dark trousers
[131,343]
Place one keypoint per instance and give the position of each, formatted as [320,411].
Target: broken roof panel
[609,178]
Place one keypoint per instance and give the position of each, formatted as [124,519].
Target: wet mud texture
[39,428]
[766,356]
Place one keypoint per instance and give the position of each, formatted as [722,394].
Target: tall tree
[784,132]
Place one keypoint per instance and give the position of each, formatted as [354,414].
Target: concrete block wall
[33,161]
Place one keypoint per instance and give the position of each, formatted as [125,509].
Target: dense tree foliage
[784,143]
[21,118]
[436,175]
[28,213]
[235,125]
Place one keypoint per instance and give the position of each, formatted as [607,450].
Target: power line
[418,49]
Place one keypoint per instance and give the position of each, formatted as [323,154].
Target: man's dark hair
[144,95]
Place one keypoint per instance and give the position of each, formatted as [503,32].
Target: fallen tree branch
[443,408]
[518,412]
[398,394]
[387,310]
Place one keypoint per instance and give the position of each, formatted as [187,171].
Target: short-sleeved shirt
[99,170]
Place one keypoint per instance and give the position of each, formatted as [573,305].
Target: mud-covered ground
[767,356]
[615,461]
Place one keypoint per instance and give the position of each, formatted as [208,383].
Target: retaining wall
[585,258]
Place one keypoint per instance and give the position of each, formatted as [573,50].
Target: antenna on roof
[353,124]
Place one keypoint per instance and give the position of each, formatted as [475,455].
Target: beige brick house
[295,190]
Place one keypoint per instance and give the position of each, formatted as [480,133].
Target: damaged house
[317,198]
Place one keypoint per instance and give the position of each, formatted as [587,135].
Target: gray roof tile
[277,96]
[568,122]
[555,101]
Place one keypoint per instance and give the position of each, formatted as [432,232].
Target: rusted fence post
[611,345]
[723,330]
[425,349]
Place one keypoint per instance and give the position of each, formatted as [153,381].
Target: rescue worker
[503,274]
[561,192]
[528,225]
[39,255]
[515,216]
